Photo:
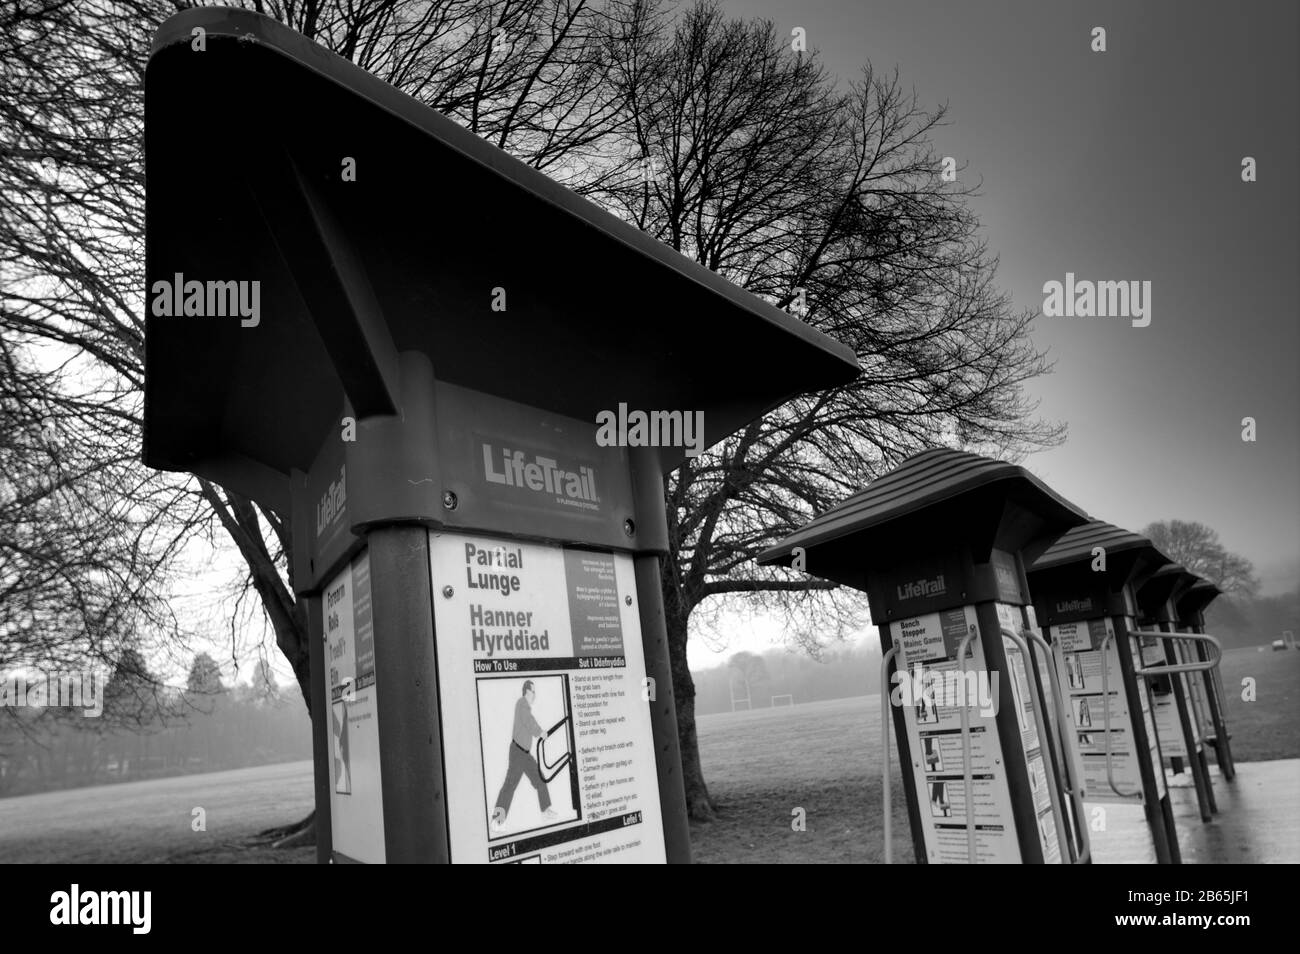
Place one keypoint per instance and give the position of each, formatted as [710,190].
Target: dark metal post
[1157,808]
[322,759]
[410,741]
[1008,723]
[1195,756]
[905,756]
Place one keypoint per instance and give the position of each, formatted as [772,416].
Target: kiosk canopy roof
[1164,586]
[1197,597]
[245,145]
[1077,543]
[925,481]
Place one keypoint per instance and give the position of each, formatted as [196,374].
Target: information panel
[929,689]
[356,795]
[1173,743]
[1200,708]
[1079,664]
[545,705]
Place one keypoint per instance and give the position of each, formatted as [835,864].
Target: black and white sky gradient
[1125,165]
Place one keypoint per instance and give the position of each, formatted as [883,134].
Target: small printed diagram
[1074,671]
[927,710]
[1085,714]
[940,806]
[526,736]
[931,755]
[339,744]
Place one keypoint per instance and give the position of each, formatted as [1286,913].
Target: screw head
[447,591]
[627,600]
[449,500]
[629,527]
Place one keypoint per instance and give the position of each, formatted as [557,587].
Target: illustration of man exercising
[521,761]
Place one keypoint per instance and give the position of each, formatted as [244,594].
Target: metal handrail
[967,775]
[1028,660]
[1084,849]
[1168,668]
[885,719]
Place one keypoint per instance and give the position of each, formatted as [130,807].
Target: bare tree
[83,571]
[529,75]
[712,136]
[1197,547]
[832,204]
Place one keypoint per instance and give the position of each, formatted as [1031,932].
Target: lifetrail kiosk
[935,544]
[425,334]
[1082,584]
[1191,616]
[1181,736]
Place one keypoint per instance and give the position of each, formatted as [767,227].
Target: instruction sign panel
[930,690]
[545,707]
[356,802]
[1173,743]
[1096,699]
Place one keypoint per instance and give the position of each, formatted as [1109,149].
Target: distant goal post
[783,700]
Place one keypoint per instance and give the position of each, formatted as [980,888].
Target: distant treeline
[1253,621]
[207,727]
[1237,622]
[45,749]
[837,675]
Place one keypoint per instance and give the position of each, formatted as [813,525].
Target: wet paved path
[1258,820]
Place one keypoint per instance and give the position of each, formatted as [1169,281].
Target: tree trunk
[698,803]
[291,637]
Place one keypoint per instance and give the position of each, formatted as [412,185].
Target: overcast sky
[1126,165]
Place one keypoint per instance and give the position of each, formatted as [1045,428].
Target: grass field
[1269,727]
[151,821]
[822,757]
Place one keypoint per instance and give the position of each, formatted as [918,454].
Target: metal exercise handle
[1166,669]
[1029,664]
[884,735]
[967,778]
[1082,849]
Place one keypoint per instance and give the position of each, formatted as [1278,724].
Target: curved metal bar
[1167,669]
[1028,660]
[967,775]
[1082,849]
[1105,702]
[885,719]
